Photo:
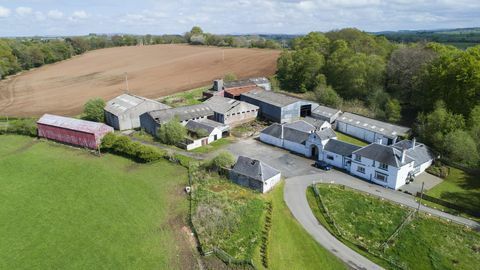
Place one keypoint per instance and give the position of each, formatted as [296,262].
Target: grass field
[424,243]
[460,188]
[291,247]
[63,208]
[350,139]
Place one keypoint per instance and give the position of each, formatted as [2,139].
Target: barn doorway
[306,110]
[314,152]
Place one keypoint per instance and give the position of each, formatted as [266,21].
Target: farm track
[153,71]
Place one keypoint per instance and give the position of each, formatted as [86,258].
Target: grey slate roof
[325,134]
[254,169]
[274,130]
[270,97]
[300,125]
[341,148]
[225,105]
[317,123]
[384,154]
[386,129]
[125,102]
[421,153]
[295,135]
[325,111]
[182,113]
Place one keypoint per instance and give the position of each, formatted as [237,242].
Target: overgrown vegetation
[367,222]
[226,216]
[20,126]
[124,146]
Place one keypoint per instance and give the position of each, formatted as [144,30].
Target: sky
[81,17]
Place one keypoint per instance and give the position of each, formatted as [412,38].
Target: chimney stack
[414,141]
[404,153]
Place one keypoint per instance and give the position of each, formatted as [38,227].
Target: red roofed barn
[72,131]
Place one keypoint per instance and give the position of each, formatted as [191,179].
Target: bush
[27,126]
[222,160]
[125,146]
[172,132]
[439,170]
[93,110]
[229,77]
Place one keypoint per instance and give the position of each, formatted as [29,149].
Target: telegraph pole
[126,81]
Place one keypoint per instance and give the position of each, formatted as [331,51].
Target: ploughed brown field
[153,71]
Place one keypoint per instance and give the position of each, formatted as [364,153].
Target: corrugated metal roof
[125,102]
[325,111]
[227,105]
[270,97]
[182,113]
[73,124]
[386,129]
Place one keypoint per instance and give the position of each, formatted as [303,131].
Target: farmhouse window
[360,169]
[330,157]
[383,166]
[381,177]
[358,158]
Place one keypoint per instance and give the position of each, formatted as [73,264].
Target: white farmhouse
[384,165]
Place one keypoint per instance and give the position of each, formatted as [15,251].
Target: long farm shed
[72,131]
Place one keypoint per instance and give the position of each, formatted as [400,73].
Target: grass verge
[218,144]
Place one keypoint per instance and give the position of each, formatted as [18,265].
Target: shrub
[222,160]
[172,132]
[25,126]
[230,77]
[125,146]
[93,110]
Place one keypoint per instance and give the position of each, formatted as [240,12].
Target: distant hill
[459,37]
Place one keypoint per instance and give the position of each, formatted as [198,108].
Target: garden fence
[449,205]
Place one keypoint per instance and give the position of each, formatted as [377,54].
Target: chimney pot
[404,153]
[414,141]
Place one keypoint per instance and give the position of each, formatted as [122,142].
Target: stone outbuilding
[254,174]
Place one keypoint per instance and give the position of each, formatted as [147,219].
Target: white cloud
[55,14]
[4,12]
[23,11]
[79,14]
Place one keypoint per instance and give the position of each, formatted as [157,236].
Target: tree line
[196,36]
[26,53]
[435,87]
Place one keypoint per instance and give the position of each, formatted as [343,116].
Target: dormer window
[383,166]
[358,158]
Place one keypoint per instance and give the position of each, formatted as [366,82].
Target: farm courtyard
[64,208]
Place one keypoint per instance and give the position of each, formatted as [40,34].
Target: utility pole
[421,196]
[223,55]
[126,81]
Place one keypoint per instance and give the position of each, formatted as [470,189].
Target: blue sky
[71,17]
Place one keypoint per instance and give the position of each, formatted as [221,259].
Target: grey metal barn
[278,107]
[123,112]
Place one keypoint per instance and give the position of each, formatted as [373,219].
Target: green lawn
[368,220]
[189,97]
[459,188]
[349,139]
[63,208]
[220,143]
[290,246]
